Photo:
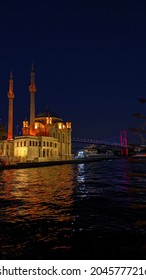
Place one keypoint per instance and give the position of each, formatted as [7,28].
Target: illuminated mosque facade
[44,138]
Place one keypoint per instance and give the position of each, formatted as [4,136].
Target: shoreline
[22,165]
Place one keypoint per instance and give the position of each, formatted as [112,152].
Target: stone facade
[54,146]
[44,138]
[52,142]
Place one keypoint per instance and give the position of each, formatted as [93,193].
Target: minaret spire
[10,109]
[32,90]
[11,75]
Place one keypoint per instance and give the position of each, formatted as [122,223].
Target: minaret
[10,110]
[32,90]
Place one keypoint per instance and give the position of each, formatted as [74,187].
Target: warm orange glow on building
[45,138]
[25,123]
[60,125]
[48,120]
[32,90]
[68,125]
[10,109]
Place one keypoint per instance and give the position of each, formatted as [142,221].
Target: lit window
[48,120]
[25,123]
[68,124]
[36,125]
[60,125]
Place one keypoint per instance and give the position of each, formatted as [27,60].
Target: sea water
[74,211]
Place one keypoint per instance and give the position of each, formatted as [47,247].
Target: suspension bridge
[119,141]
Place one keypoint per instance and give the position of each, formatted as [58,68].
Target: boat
[90,152]
[138,157]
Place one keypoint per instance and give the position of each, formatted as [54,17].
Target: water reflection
[81,208]
[38,193]
[81,173]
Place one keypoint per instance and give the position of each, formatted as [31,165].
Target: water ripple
[68,210]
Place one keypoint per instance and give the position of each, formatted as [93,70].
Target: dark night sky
[89,58]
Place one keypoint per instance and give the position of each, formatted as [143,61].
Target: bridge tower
[124,142]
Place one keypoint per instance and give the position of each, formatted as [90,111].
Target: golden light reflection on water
[37,193]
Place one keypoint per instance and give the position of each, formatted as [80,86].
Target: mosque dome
[46,114]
